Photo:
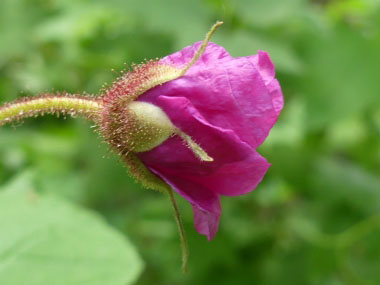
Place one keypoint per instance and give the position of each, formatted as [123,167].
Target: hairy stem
[50,104]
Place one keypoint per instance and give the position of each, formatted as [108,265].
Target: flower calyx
[129,125]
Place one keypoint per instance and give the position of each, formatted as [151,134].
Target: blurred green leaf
[334,83]
[342,181]
[269,12]
[46,240]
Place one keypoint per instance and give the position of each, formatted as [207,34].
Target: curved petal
[237,168]
[277,97]
[206,223]
[212,54]
[265,66]
[205,204]
[230,93]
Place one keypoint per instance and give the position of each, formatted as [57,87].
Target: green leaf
[46,240]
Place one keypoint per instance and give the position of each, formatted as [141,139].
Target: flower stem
[50,104]
[178,219]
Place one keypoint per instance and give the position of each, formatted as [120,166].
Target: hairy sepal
[117,122]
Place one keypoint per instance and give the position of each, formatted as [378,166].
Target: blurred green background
[315,219]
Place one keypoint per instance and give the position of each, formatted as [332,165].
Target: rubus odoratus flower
[190,122]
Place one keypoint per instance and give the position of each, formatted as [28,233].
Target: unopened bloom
[228,106]
[190,122]
[197,126]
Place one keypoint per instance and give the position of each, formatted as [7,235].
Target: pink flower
[228,106]
[193,120]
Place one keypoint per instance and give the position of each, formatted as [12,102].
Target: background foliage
[315,218]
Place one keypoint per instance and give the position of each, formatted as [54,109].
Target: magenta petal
[236,169]
[231,93]
[264,65]
[212,54]
[205,204]
[278,99]
[228,106]
[206,223]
